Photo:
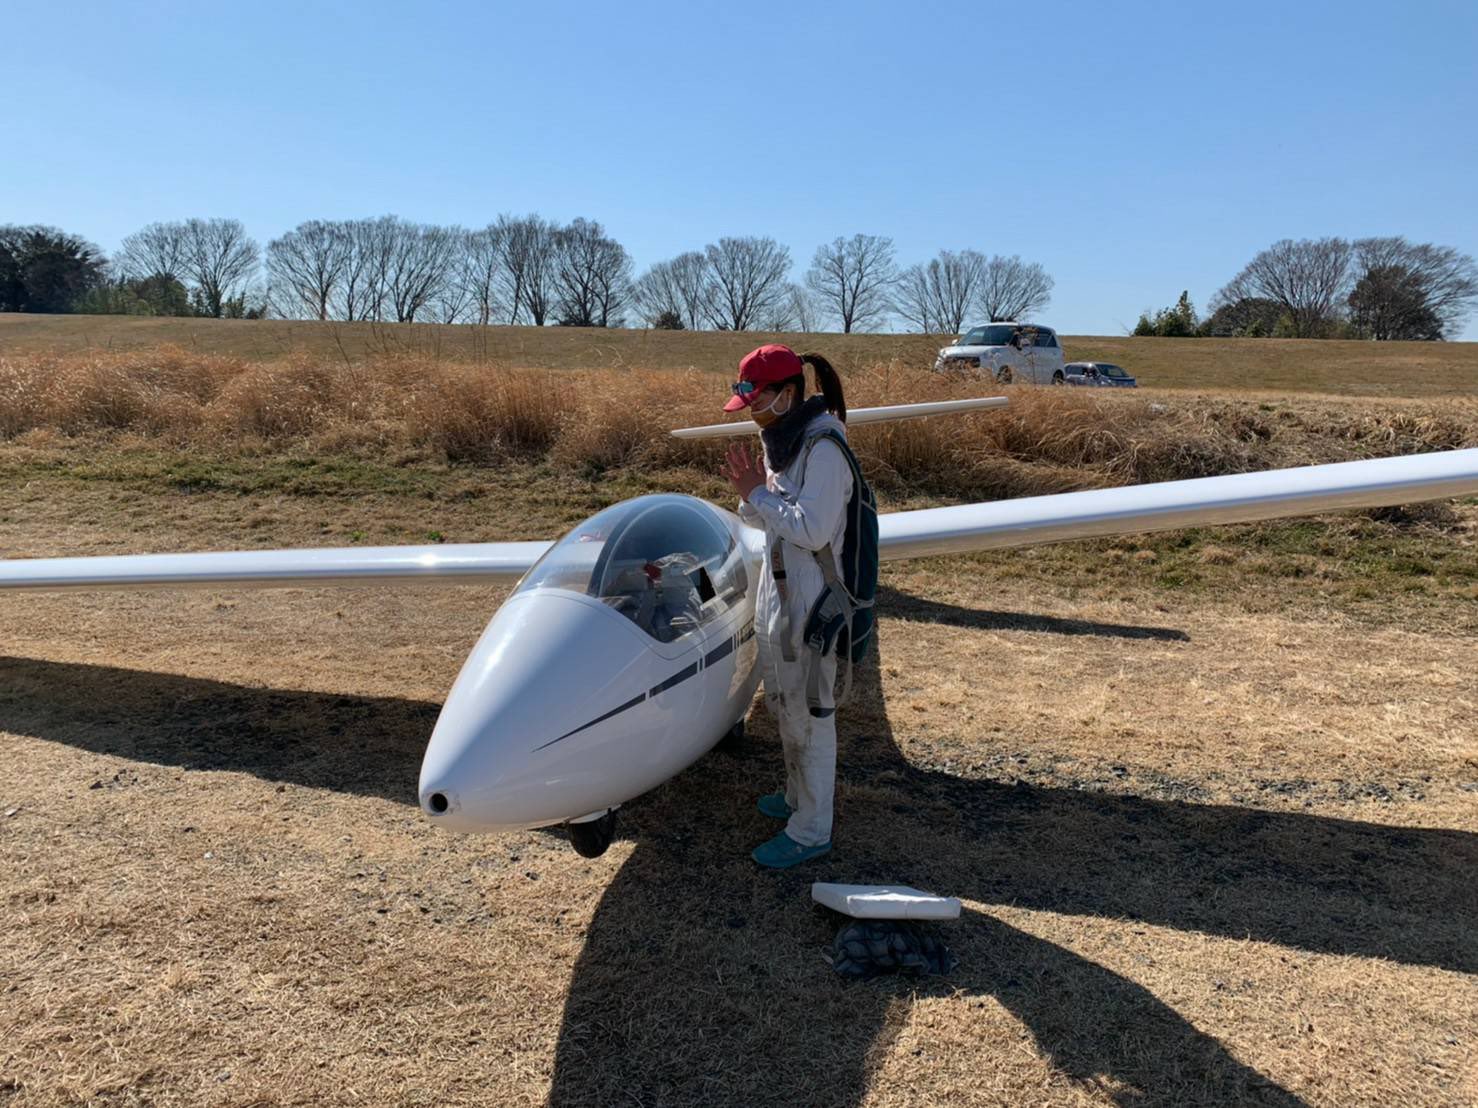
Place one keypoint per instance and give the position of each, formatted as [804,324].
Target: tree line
[534,271]
[516,270]
[1372,288]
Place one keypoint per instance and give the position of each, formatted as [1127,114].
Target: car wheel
[1003,375]
[1058,378]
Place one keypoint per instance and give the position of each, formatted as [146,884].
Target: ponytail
[828,384]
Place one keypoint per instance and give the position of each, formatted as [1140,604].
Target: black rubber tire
[593,838]
[733,740]
[1003,375]
[1058,378]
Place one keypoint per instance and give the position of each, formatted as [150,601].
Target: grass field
[1210,797]
[1348,368]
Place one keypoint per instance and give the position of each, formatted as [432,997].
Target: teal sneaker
[782,852]
[774,806]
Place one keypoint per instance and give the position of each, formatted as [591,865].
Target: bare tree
[304,268]
[1411,290]
[1013,289]
[1308,278]
[528,274]
[592,275]
[678,285]
[480,270]
[744,281]
[852,278]
[452,302]
[1389,302]
[220,259]
[936,296]
[419,261]
[655,295]
[361,285]
[156,251]
[690,282]
[796,311]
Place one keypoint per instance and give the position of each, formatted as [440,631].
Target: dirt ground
[1211,853]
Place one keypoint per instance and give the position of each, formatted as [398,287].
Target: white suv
[1007,352]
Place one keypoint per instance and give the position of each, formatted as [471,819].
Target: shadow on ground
[702,978]
[371,746]
[904,605]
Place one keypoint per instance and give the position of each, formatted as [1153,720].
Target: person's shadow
[702,979]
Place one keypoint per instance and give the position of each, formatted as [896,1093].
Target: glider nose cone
[497,760]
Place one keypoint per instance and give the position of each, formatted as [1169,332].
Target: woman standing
[799,496]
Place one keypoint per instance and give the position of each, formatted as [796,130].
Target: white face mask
[770,407]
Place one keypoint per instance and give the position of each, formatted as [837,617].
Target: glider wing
[1237,498]
[449,564]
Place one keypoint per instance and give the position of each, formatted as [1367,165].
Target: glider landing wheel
[733,740]
[593,838]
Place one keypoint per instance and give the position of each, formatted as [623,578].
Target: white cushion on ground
[884,901]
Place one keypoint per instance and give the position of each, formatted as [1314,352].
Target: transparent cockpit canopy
[668,563]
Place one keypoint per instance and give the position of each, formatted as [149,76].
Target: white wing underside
[1238,498]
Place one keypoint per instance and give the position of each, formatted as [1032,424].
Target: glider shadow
[370,746]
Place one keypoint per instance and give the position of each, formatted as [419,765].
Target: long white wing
[855,416]
[451,564]
[1238,498]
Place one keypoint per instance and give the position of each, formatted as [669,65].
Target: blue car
[1096,375]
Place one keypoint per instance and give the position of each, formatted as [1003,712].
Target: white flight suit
[800,521]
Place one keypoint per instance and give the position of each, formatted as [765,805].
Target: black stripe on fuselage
[723,650]
[632,703]
[677,678]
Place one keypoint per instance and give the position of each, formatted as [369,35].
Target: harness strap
[777,571]
[827,564]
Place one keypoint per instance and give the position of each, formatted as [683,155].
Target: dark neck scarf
[783,438]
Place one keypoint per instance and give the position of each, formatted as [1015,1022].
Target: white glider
[627,650]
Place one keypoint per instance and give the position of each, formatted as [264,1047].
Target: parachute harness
[837,606]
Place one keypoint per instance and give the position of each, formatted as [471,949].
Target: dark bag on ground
[869,947]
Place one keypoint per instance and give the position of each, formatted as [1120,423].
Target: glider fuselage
[622,657]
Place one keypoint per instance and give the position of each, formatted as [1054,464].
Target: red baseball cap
[764,366]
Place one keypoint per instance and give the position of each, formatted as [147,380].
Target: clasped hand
[743,470]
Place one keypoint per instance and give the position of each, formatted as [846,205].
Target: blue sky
[1132,149]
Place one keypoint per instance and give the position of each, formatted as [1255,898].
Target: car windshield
[1111,370]
[668,563]
[999,334]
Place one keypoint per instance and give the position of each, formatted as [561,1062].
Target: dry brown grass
[1047,440]
[1209,856]
[1384,369]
